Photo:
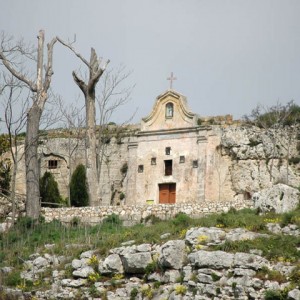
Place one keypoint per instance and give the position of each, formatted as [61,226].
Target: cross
[171,78]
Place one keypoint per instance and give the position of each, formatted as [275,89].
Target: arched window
[169,110]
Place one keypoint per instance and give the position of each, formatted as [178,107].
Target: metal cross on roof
[171,78]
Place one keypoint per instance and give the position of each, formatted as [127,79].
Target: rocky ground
[175,269]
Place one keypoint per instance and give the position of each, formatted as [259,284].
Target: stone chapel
[167,160]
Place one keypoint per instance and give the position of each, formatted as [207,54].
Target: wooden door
[172,192]
[167,193]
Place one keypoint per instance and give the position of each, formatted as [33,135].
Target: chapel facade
[167,159]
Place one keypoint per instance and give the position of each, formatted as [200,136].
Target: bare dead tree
[15,102]
[39,86]
[96,68]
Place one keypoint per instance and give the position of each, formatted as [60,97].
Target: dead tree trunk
[89,91]
[39,89]
[32,162]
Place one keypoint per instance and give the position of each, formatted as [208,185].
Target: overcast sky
[227,55]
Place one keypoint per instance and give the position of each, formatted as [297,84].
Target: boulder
[241,234]
[40,262]
[87,254]
[73,283]
[136,262]
[294,294]
[208,259]
[111,264]
[249,261]
[83,272]
[210,235]
[77,263]
[172,254]
[280,198]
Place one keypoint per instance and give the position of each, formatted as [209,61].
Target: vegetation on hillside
[28,237]
[276,115]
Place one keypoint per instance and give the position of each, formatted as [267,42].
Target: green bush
[13,279]
[275,295]
[5,176]
[112,219]
[78,187]
[151,219]
[49,191]
[181,219]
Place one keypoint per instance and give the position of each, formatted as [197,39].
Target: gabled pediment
[170,111]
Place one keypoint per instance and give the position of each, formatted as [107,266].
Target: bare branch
[49,70]
[81,84]
[68,45]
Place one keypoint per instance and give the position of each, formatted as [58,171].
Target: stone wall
[135,214]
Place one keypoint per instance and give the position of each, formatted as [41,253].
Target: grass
[26,237]
[276,248]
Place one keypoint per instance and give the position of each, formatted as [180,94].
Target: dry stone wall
[135,214]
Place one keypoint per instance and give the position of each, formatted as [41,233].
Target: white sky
[227,55]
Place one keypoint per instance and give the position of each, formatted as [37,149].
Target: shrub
[112,219]
[275,295]
[5,176]
[181,219]
[180,289]
[295,275]
[13,279]
[49,191]
[133,294]
[151,219]
[78,187]
[75,222]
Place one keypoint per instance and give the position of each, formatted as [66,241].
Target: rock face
[280,198]
[258,158]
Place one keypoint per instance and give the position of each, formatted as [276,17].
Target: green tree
[5,176]
[5,165]
[49,191]
[79,188]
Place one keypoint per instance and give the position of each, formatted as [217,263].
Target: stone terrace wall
[135,214]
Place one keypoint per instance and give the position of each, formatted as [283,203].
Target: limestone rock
[211,235]
[249,261]
[73,283]
[40,262]
[208,259]
[77,263]
[172,254]
[83,272]
[171,276]
[280,198]
[111,264]
[294,294]
[136,262]
[241,234]
[87,254]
